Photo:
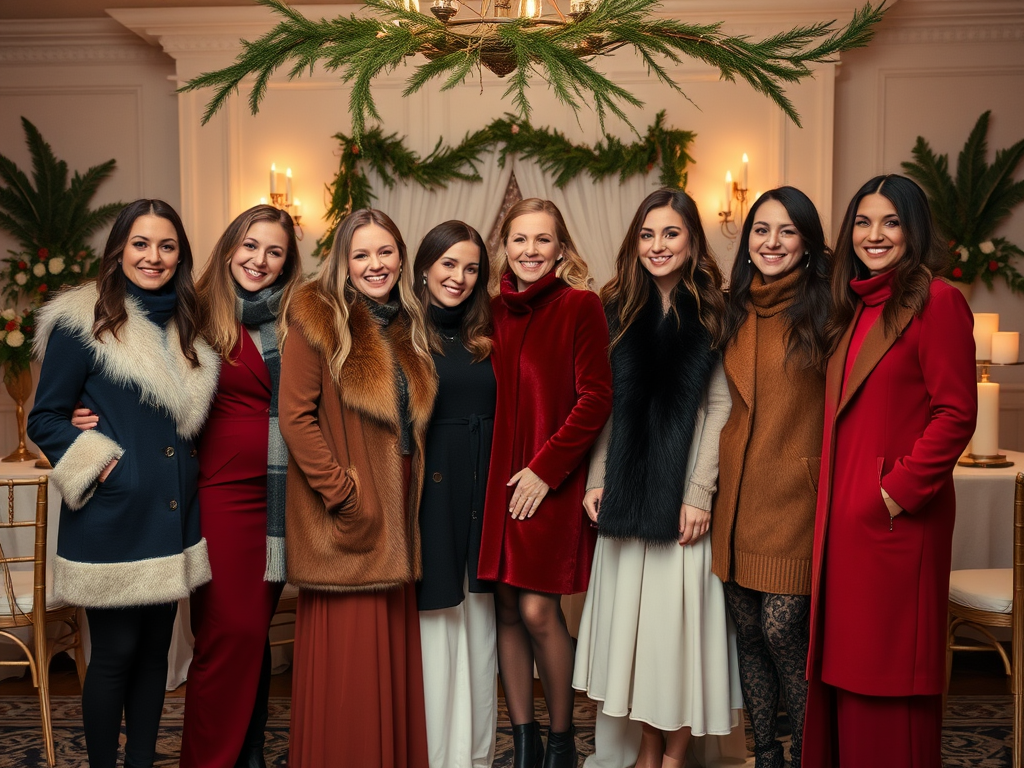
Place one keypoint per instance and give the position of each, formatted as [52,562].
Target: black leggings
[127,674]
[771,639]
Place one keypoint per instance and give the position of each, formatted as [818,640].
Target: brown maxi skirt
[357,684]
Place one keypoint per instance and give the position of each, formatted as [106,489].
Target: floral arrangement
[16,341]
[36,276]
[987,260]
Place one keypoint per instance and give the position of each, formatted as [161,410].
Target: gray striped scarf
[259,310]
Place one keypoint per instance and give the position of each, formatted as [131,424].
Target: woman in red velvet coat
[900,407]
[554,395]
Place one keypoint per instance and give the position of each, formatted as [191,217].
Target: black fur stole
[660,370]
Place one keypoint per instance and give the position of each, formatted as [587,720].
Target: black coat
[458,451]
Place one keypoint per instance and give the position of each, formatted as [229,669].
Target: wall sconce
[732,225]
[284,200]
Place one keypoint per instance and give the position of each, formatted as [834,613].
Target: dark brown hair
[629,289]
[110,314]
[476,323]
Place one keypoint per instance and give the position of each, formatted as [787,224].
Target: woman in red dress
[900,407]
[554,396]
[357,389]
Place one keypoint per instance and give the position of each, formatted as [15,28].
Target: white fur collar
[144,355]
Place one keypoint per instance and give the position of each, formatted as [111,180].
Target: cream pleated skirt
[655,641]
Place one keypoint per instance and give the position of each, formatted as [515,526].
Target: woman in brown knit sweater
[769,455]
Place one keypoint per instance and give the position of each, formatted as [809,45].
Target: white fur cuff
[76,474]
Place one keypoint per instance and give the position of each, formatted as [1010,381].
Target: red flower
[22,265]
[43,288]
[12,325]
[958,273]
[42,253]
[993,266]
[355,149]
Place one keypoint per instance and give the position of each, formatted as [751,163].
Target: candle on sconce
[288,185]
[273,179]
[985,324]
[746,171]
[728,191]
[296,209]
[986,435]
[1005,346]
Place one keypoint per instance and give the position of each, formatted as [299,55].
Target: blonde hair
[337,291]
[571,268]
[216,287]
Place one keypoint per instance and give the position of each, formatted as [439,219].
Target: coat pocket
[813,466]
[356,524]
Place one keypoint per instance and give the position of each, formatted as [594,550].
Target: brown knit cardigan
[763,520]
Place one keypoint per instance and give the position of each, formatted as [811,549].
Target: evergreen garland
[563,54]
[556,155]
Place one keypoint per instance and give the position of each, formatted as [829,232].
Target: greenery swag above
[559,157]
[563,53]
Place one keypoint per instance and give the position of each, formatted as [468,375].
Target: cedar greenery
[563,54]
[968,210]
[557,155]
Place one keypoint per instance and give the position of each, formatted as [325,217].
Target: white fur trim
[76,473]
[140,582]
[143,355]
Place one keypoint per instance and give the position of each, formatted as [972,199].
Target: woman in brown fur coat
[357,388]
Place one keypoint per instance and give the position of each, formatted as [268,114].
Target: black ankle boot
[561,752]
[527,747]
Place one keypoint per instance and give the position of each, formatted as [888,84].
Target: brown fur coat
[351,522]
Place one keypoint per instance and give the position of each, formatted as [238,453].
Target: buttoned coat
[906,414]
[351,522]
[554,396]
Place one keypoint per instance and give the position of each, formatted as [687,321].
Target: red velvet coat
[554,396]
[907,412]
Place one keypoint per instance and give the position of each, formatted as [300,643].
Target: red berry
[43,253]
[22,265]
[43,288]
[957,272]
[993,265]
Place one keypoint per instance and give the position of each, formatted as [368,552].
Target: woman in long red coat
[554,395]
[900,407]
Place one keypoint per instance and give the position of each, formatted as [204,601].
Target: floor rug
[977,732]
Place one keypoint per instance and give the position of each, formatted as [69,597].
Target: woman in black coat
[129,544]
[457,629]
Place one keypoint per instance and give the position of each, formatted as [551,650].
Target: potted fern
[968,210]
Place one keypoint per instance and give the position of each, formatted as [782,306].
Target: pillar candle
[986,435]
[985,324]
[288,185]
[273,179]
[1005,346]
[746,169]
[728,191]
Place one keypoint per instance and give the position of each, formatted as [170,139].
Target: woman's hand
[890,504]
[592,503]
[84,419]
[107,470]
[693,523]
[530,492]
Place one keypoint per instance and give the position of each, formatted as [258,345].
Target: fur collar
[144,356]
[660,371]
[367,377]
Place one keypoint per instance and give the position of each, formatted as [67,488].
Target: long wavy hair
[808,314]
[476,323]
[630,288]
[110,313]
[336,289]
[924,258]
[571,268]
[216,286]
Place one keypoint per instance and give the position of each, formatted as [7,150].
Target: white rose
[8,314]
[39,270]
[21,278]
[56,266]
[15,339]
[75,268]
[964,254]
[987,247]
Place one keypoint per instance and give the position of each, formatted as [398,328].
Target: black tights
[531,627]
[771,638]
[127,674]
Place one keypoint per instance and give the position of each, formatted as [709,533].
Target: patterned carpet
[977,732]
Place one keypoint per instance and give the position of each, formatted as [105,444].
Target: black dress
[457,454]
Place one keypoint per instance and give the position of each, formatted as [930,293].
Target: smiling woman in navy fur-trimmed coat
[129,544]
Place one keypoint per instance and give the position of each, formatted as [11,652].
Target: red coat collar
[544,290]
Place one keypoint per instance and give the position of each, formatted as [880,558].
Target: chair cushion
[988,589]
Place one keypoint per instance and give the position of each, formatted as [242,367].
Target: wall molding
[72,41]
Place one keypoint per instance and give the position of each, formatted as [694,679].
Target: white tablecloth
[983,536]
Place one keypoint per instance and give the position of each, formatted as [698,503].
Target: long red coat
[554,396]
[907,412]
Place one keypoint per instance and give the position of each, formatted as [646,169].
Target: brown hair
[476,324]
[571,268]
[215,285]
[629,289]
[110,313]
[336,289]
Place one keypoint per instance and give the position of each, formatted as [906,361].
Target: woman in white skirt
[655,645]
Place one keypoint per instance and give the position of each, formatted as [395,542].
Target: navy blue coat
[133,539]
